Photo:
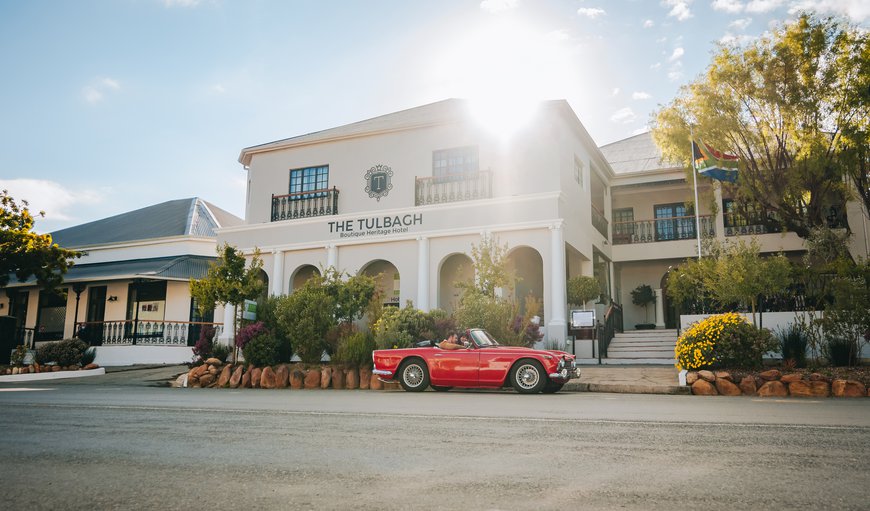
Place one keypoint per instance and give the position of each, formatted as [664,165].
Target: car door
[455,368]
[495,362]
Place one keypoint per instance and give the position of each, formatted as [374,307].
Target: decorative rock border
[772,383]
[215,374]
[39,368]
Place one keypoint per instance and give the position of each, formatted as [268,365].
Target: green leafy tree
[24,253]
[581,289]
[229,281]
[794,107]
[491,272]
[643,296]
[306,316]
[351,294]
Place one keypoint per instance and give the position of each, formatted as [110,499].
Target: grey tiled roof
[635,154]
[161,268]
[181,217]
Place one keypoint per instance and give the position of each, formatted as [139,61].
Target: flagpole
[695,181]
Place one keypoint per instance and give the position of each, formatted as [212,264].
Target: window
[52,315]
[578,171]
[453,164]
[674,222]
[307,180]
[623,224]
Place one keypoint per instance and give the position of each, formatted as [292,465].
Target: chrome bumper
[565,374]
[381,372]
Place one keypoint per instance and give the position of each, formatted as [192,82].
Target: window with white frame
[455,162]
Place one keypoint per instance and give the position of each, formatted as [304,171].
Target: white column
[277,272]
[557,327]
[423,273]
[227,335]
[719,221]
[660,309]
[332,256]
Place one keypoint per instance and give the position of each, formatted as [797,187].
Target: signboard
[249,310]
[375,226]
[582,319]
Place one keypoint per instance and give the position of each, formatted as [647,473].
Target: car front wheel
[413,376]
[528,377]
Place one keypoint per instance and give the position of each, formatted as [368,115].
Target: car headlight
[561,363]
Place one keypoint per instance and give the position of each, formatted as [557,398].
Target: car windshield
[482,338]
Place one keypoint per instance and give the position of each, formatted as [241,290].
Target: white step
[647,361]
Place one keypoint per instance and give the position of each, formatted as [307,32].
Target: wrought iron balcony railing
[453,188]
[150,333]
[598,221]
[305,204]
[661,229]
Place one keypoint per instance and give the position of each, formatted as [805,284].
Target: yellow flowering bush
[723,340]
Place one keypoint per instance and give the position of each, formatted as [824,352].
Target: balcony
[598,221]
[453,188]
[150,333]
[305,204]
[661,229]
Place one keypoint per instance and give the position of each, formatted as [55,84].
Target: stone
[338,378]
[236,378]
[297,379]
[268,379]
[727,387]
[282,375]
[92,366]
[773,388]
[747,385]
[16,370]
[691,377]
[351,378]
[256,373]
[848,388]
[192,375]
[724,375]
[376,383]
[224,378]
[704,388]
[819,377]
[809,388]
[213,361]
[365,377]
[201,370]
[246,380]
[55,369]
[206,380]
[791,377]
[707,376]
[325,377]
[312,379]
[770,375]
[212,370]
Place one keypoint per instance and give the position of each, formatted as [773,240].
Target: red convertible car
[483,363]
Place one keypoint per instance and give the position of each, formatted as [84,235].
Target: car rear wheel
[552,387]
[413,376]
[527,377]
[439,388]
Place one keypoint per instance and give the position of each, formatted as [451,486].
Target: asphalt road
[118,444]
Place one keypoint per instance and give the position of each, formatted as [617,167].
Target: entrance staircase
[642,347]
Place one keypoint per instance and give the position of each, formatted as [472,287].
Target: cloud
[615,92]
[677,54]
[110,83]
[624,116]
[729,6]
[679,9]
[591,12]
[736,40]
[56,199]
[181,3]
[496,6]
[92,95]
[675,75]
[656,65]
[648,24]
[218,88]
[662,39]
[762,6]
[857,10]
[740,24]
[97,89]
[640,95]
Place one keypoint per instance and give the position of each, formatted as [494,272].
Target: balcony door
[96,314]
[674,222]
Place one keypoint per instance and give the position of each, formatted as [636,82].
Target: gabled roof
[636,154]
[183,267]
[181,217]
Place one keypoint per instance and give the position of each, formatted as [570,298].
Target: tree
[24,253]
[581,289]
[229,282]
[491,272]
[642,296]
[306,316]
[794,108]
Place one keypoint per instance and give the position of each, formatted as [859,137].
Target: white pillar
[423,273]
[660,309]
[557,327]
[719,221]
[228,333]
[277,272]
[332,256]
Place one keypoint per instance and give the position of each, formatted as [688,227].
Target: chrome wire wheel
[413,375]
[527,376]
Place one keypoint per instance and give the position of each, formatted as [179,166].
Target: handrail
[607,331]
[133,332]
[661,229]
[453,187]
[302,194]
[598,220]
[306,204]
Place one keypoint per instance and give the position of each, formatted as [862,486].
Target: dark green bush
[744,346]
[355,349]
[261,350]
[840,351]
[65,353]
[306,316]
[89,356]
[793,344]
[220,351]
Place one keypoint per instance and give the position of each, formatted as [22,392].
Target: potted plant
[581,289]
[642,296]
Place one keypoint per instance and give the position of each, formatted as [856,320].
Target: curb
[59,375]
[627,388]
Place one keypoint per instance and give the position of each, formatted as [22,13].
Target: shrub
[581,289]
[305,317]
[65,353]
[17,357]
[840,351]
[89,356]
[442,324]
[399,328]
[261,350]
[723,340]
[793,345]
[355,349]
[220,351]
[336,334]
[248,332]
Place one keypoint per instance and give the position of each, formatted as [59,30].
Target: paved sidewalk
[628,379]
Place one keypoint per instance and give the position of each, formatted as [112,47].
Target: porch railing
[661,229]
[598,221]
[305,204]
[607,331]
[25,336]
[453,188]
[150,333]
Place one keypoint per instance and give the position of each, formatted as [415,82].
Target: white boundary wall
[108,356]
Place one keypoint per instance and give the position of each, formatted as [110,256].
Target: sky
[107,106]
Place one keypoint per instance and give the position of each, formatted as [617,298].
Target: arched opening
[302,275]
[672,317]
[387,276]
[528,267]
[455,268]
[264,278]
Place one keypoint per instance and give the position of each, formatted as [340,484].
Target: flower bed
[773,383]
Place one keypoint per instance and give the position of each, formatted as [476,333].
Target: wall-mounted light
[112,299]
